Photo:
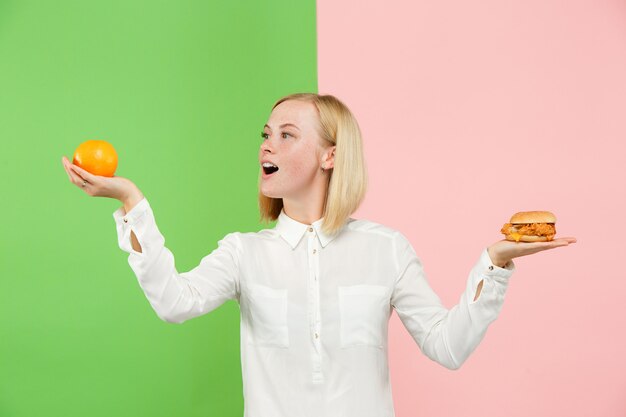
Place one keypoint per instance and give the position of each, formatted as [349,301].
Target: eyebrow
[283,125]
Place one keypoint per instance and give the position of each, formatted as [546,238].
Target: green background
[182,90]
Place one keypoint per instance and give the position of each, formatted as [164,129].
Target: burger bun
[533,217]
[526,238]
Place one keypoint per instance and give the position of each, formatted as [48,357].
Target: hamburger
[530,226]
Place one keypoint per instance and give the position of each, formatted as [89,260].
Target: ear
[329,157]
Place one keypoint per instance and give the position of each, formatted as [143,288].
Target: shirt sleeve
[447,336]
[177,297]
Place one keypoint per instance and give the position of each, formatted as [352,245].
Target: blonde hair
[348,178]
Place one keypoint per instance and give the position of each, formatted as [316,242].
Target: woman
[317,290]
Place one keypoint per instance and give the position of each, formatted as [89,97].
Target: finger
[553,244]
[75,177]
[562,241]
[67,171]
[73,169]
[529,248]
[66,163]
[558,242]
[83,173]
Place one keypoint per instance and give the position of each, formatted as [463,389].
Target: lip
[266,176]
[263,174]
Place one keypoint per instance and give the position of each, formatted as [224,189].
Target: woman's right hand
[119,188]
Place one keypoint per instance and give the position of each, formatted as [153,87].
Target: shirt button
[314,251]
[491,267]
[125,220]
[316,335]
[310,229]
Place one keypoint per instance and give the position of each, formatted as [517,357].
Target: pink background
[472,111]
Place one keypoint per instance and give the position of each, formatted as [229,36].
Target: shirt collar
[292,230]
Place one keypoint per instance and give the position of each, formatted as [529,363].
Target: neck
[306,209]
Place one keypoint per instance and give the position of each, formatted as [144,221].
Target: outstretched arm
[449,336]
[508,250]
[176,297]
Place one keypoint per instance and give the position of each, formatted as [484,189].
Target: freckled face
[295,150]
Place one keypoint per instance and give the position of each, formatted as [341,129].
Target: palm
[506,250]
[98,185]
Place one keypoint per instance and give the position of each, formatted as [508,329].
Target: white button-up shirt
[315,308]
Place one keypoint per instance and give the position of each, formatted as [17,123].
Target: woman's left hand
[503,251]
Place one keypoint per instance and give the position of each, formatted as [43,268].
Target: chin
[270,193]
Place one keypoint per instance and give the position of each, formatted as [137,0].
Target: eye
[266,135]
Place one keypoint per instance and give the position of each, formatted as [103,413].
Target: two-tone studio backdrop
[469,111]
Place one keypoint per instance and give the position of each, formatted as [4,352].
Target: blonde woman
[317,290]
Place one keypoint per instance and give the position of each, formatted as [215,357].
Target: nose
[265,147]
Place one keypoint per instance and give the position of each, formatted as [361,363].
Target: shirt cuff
[494,270]
[133,215]
[136,220]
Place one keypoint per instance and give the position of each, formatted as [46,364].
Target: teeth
[268,165]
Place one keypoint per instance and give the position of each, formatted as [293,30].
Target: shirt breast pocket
[268,316]
[363,314]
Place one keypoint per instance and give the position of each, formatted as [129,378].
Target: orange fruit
[97,157]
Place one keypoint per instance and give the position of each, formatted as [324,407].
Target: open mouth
[269,168]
